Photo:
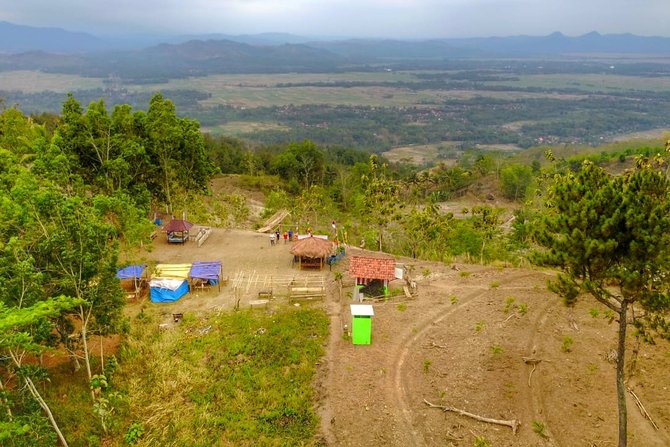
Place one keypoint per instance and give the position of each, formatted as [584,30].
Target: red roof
[368,267]
[178,225]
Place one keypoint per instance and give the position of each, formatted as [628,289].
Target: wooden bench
[258,303]
[265,294]
[306,294]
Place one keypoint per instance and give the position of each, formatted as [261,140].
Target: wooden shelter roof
[312,247]
[178,225]
[372,267]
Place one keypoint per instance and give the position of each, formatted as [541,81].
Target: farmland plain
[479,104]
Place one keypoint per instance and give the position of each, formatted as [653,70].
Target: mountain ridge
[21,38]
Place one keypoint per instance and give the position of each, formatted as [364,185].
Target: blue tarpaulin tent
[208,272]
[131,272]
[169,282]
[132,279]
[167,290]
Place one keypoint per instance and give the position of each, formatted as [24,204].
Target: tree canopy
[68,200]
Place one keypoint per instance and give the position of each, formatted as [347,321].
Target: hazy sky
[355,18]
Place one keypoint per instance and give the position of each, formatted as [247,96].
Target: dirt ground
[461,342]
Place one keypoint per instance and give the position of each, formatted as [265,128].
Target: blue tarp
[162,295]
[209,270]
[330,260]
[131,272]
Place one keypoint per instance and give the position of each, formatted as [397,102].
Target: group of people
[275,237]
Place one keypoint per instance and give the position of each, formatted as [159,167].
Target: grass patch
[241,379]
[496,350]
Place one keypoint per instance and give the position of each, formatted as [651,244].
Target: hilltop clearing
[490,341]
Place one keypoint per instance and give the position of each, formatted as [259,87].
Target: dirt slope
[461,342]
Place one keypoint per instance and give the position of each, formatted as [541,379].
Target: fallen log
[513,424]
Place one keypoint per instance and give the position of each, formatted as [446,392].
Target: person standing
[272,239]
[285,237]
[290,234]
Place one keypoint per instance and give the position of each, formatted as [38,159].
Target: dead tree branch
[643,410]
[531,361]
[513,424]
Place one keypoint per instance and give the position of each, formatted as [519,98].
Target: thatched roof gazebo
[312,252]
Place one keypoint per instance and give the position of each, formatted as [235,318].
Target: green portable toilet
[361,323]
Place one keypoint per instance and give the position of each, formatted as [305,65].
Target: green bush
[134,433]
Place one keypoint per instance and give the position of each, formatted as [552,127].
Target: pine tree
[610,236]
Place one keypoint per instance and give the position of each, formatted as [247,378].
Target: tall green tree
[426,232]
[381,201]
[486,220]
[515,180]
[177,147]
[303,161]
[19,134]
[610,236]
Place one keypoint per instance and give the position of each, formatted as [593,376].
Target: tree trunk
[167,191]
[102,357]
[72,354]
[87,355]
[10,416]
[38,397]
[620,386]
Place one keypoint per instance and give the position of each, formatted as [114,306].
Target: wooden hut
[368,268]
[312,252]
[177,231]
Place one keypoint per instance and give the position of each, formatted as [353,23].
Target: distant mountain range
[19,38]
[144,58]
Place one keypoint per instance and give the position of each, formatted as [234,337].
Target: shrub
[566,346]
[509,304]
[538,427]
[134,433]
[481,441]
[426,366]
